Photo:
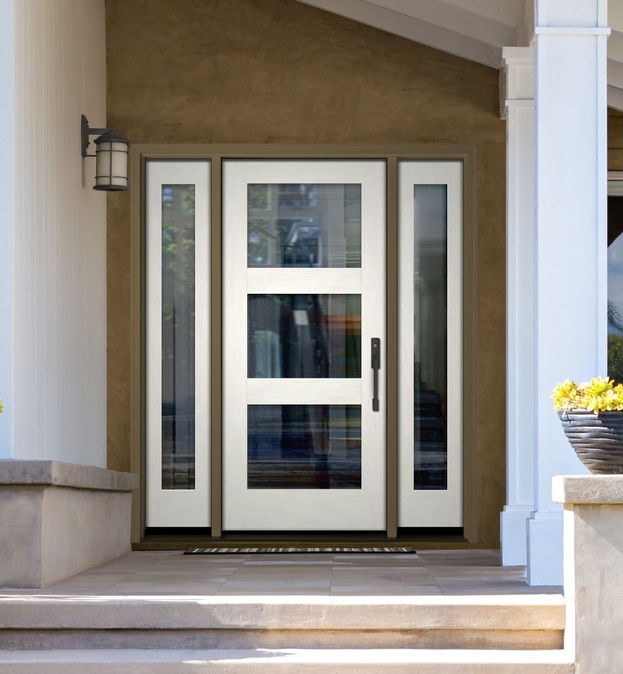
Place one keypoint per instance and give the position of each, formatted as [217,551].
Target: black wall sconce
[111,157]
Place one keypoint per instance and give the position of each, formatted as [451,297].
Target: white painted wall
[6,223]
[58,398]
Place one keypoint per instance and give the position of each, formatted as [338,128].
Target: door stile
[216,336]
[392,348]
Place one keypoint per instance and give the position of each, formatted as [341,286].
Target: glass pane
[178,336]
[430,325]
[313,336]
[304,447]
[304,225]
[615,286]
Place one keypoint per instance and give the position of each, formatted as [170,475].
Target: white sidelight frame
[177,507]
[303,509]
[430,508]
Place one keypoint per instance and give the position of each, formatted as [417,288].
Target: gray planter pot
[596,438]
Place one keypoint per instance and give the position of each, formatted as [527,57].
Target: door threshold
[160,539]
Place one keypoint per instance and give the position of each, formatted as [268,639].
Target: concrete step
[513,622]
[285,661]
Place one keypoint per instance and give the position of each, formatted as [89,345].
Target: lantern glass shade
[111,163]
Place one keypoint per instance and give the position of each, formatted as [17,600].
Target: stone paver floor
[438,572]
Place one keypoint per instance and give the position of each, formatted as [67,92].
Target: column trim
[520,320]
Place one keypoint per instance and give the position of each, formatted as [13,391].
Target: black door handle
[376,366]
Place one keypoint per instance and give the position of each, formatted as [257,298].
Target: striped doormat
[292,550]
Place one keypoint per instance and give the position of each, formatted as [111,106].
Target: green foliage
[257,197]
[597,395]
[615,357]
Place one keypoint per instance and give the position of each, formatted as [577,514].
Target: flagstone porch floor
[439,572]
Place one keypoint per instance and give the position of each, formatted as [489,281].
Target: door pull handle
[376,366]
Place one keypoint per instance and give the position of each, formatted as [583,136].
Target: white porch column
[58,253]
[7,219]
[518,70]
[571,292]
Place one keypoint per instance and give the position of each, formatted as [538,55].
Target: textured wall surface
[58,401]
[615,140]
[272,71]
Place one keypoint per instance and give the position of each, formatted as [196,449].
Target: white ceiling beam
[505,11]
[459,19]
[413,29]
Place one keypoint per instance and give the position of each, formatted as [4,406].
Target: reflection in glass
[178,336]
[315,336]
[304,447]
[304,225]
[430,325]
[615,287]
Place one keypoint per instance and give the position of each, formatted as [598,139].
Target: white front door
[304,345]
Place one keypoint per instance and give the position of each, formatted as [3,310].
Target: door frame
[140,154]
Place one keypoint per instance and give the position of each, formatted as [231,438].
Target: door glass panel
[304,225]
[178,336]
[430,344]
[304,447]
[314,336]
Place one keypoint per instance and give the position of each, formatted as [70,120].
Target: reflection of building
[304,225]
[291,446]
[311,336]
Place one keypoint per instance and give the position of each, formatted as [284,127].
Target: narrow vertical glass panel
[178,336]
[304,447]
[615,281]
[430,344]
[304,225]
[313,336]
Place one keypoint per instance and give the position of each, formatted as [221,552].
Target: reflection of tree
[257,197]
[178,248]
[615,357]
[258,241]
[614,318]
[615,343]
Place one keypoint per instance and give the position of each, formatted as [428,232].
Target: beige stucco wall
[273,71]
[615,140]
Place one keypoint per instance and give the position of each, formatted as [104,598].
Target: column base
[545,547]
[59,519]
[513,528]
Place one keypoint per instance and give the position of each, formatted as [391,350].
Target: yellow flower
[598,395]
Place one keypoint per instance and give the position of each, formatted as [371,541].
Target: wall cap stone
[59,474]
[588,489]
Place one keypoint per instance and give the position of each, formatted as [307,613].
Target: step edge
[291,656]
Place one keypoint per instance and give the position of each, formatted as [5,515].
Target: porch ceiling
[472,29]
